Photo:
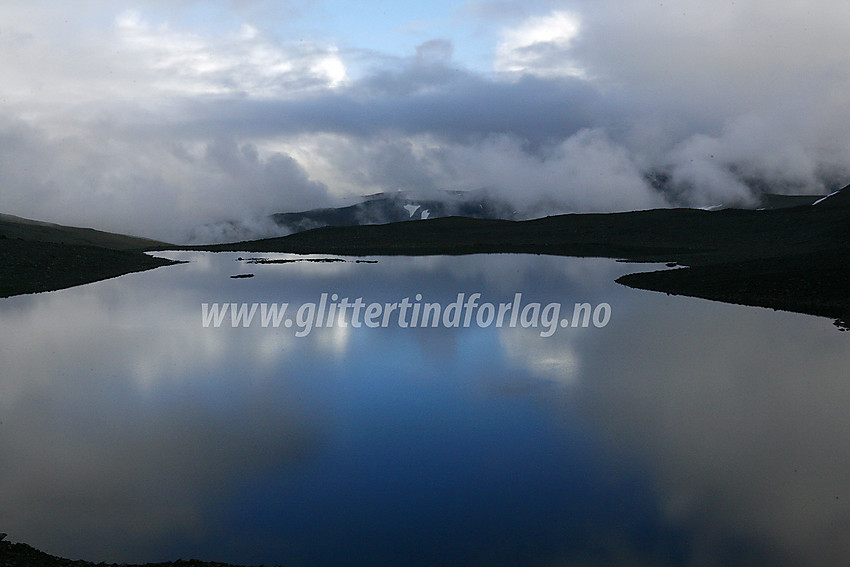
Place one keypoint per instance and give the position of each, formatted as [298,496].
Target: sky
[157,117]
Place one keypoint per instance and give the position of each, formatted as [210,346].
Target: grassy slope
[31,230]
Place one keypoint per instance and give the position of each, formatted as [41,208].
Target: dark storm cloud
[461,108]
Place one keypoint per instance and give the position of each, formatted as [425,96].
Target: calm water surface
[682,432]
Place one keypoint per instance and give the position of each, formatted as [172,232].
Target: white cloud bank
[144,118]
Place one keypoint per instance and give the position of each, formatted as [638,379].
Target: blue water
[682,431]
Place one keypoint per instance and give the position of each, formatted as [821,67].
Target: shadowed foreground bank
[22,555]
[32,267]
[38,256]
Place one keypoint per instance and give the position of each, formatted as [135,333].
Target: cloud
[147,185]
[585,172]
[240,63]
[539,46]
[716,169]
[117,116]
[744,53]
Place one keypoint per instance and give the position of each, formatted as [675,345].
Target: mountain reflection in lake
[682,432]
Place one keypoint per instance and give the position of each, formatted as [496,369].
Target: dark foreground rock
[22,555]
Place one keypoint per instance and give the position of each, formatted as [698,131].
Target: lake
[142,420]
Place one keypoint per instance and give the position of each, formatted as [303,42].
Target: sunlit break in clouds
[540,46]
[157,118]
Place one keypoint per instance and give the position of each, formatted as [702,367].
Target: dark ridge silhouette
[23,555]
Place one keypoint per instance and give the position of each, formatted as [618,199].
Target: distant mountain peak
[381,208]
